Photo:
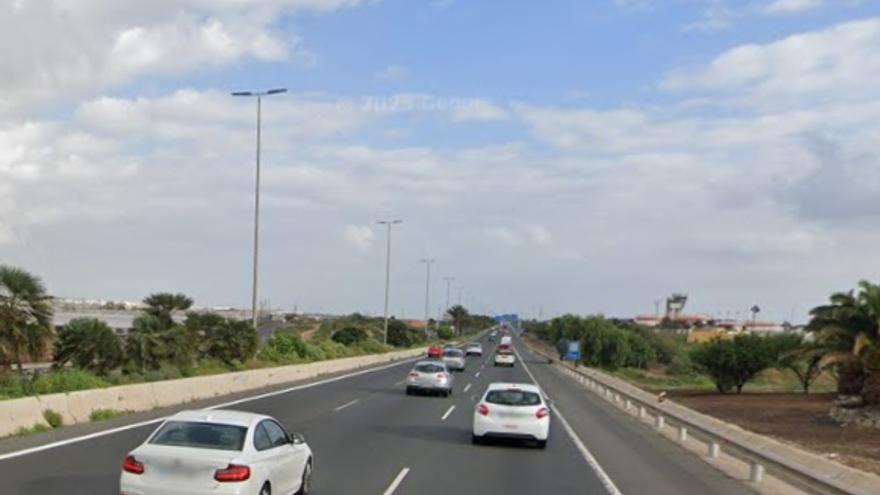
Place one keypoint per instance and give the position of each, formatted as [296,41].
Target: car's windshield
[429,368]
[513,397]
[453,353]
[201,435]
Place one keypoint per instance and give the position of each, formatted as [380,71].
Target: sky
[556,156]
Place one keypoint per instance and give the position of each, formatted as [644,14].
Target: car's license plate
[511,426]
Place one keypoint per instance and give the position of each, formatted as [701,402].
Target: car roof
[221,416]
[474,344]
[437,363]
[528,387]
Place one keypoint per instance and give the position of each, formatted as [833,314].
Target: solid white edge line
[347,404]
[397,481]
[98,434]
[591,461]
[448,412]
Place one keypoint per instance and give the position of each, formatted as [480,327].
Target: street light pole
[388,223]
[427,263]
[448,290]
[256,281]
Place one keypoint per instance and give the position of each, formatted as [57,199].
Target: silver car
[430,376]
[454,359]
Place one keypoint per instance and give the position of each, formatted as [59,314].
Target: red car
[435,351]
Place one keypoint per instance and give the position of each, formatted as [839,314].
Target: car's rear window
[453,353]
[513,398]
[503,349]
[201,435]
[429,368]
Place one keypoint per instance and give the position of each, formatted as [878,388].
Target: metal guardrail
[805,477]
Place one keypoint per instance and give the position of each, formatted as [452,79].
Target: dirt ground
[793,418]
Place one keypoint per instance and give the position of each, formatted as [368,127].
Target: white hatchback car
[218,452]
[512,411]
[504,356]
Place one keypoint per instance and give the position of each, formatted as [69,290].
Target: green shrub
[53,418]
[90,344]
[105,414]
[166,371]
[350,335]
[401,335]
[733,363]
[67,381]
[372,346]
[445,333]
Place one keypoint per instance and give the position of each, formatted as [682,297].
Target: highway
[370,438]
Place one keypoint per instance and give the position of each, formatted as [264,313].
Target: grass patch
[105,414]
[31,430]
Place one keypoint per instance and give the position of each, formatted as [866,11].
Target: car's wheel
[476,440]
[542,444]
[305,487]
[266,490]
[409,391]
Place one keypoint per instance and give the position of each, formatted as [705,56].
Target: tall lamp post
[259,96]
[387,223]
[449,281]
[427,263]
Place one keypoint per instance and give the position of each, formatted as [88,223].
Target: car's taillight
[233,472]
[483,409]
[413,375]
[132,465]
[442,376]
[542,413]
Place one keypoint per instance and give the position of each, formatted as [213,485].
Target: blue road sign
[573,350]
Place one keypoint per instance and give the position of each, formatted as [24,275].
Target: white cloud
[359,236]
[832,64]
[791,6]
[61,50]
[392,73]
[478,111]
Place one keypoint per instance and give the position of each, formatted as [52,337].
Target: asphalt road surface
[370,438]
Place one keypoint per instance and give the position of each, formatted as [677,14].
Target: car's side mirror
[297,439]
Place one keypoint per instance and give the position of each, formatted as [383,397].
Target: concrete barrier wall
[77,407]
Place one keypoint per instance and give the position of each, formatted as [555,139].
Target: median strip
[397,481]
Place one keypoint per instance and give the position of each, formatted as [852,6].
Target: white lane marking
[401,382]
[397,481]
[606,480]
[347,404]
[111,431]
[477,375]
[467,387]
[448,412]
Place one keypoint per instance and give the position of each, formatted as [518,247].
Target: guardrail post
[642,412]
[714,450]
[756,473]
[682,434]
[659,421]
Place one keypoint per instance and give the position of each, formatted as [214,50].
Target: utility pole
[388,223]
[448,290]
[428,263]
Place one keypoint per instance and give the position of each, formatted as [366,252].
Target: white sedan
[218,452]
[512,411]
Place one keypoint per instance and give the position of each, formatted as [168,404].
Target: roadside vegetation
[169,340]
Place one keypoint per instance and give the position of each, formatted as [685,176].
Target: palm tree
[459,316]
[162,305]
[90,344]
[25,315]
[847,332]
